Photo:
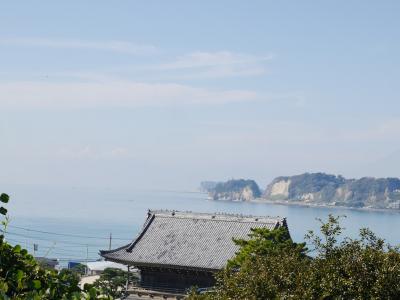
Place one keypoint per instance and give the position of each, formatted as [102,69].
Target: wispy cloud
[216,64]
[90,152]
[113,45]
[112,94]
[211,59]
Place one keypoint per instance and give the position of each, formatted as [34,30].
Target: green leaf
[3,211]
[4,198]
[17,249]
[3,287]
[36,284]
[92,293]
[19,275]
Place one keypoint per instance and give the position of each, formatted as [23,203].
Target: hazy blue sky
[168,93]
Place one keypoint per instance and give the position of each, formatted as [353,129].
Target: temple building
[178,250]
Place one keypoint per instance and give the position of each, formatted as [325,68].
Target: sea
[72,224]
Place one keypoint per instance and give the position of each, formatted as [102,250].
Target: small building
[98,267]
[178,250]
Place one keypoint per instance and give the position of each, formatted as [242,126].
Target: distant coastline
[313,190]
[310,205]
[319,205]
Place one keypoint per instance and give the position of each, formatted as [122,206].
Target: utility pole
[127,280]
[87,258]
[109,245]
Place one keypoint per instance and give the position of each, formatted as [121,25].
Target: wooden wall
[163,279]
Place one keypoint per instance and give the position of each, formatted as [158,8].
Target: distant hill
[321,188]
[234,190]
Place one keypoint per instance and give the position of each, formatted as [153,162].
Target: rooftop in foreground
[187,240]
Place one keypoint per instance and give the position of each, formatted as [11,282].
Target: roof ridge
[175,213]
[146,226]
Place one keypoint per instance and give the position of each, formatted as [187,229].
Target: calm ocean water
[55,218]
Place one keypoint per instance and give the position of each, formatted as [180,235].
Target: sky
[165,94]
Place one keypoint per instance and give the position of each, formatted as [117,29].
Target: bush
[113,281]
[22,277]
[270,266]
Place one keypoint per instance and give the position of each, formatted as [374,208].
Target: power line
[48,242]
[44,239]
[67,234]
[71,255]
[56,248]
[77,260]
[58,243]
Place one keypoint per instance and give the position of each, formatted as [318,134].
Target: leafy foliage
[22,277]
[79,269]
[4,198]
[265,267]
[364,268]
[112,281]
[270,266]
[324,188]
[236,185]
[234,189]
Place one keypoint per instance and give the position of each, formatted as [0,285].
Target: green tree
[270,266]
[21,277]
[79,269]
[363,268]
[113,281]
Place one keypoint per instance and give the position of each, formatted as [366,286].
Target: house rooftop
[188,240]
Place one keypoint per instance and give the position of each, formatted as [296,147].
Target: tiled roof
[189,240]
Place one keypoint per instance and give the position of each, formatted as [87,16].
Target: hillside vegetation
[234,190]
[320,188]
[313,189]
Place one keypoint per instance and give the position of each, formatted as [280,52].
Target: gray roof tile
[189,240]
